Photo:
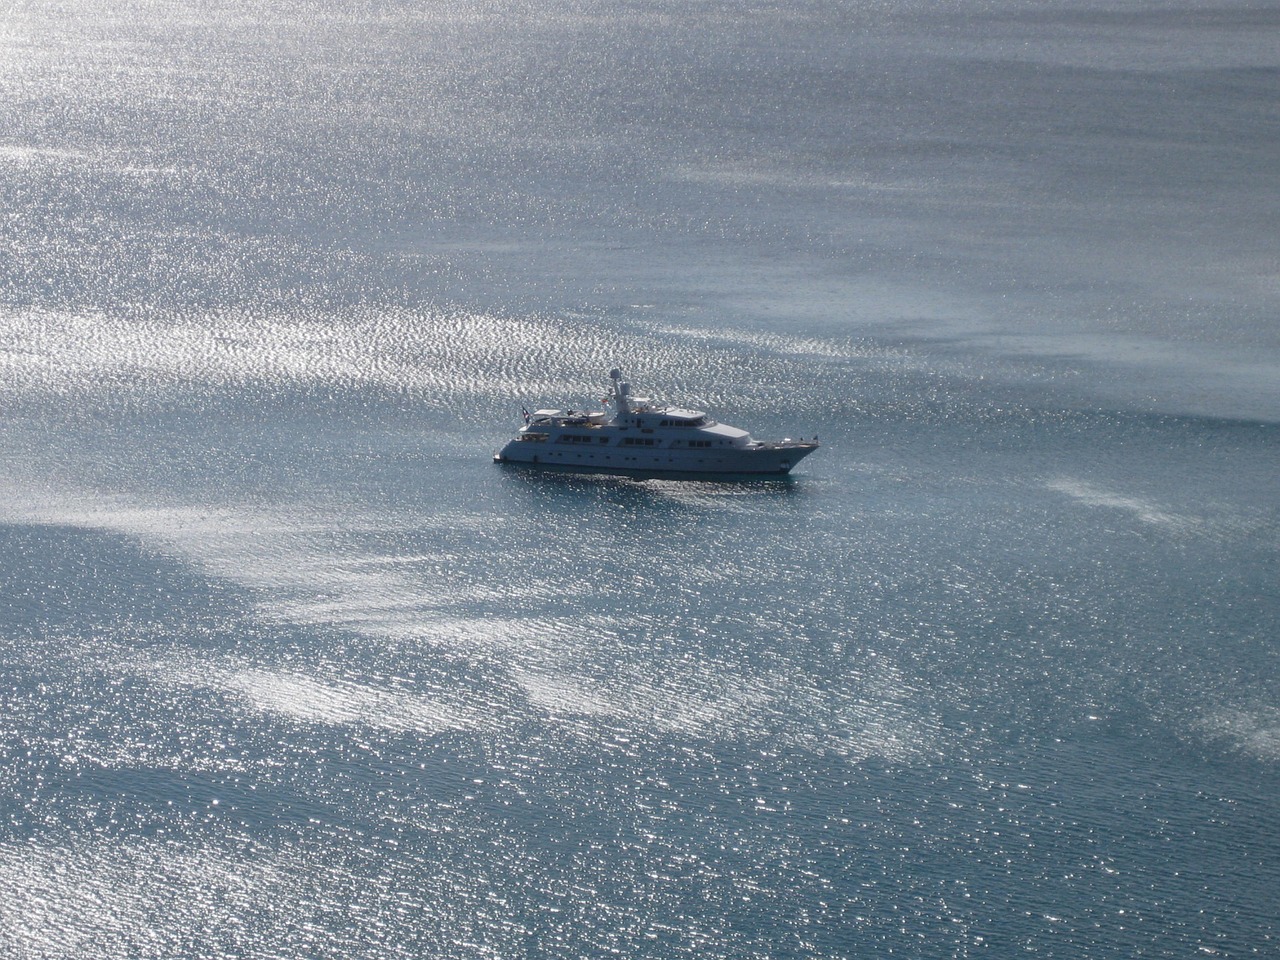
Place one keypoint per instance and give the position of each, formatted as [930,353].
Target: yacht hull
[766,460]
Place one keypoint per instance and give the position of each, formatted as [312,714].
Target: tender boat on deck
[646,437]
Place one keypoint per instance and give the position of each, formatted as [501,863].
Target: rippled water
[290,668]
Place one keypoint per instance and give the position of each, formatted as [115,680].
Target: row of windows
[650,441]
[701,421]
[626,441]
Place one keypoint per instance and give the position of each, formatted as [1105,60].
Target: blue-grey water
[289,668]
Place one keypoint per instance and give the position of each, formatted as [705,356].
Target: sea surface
[290,668]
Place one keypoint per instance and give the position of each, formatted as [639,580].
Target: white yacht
[646,437]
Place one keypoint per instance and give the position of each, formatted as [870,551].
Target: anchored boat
[646,437]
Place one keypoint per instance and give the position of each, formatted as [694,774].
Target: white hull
[767,459]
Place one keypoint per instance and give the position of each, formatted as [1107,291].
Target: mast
[621,390]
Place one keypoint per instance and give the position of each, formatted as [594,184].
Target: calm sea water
[289,668]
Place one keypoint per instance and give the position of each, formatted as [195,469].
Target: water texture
[288,667]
